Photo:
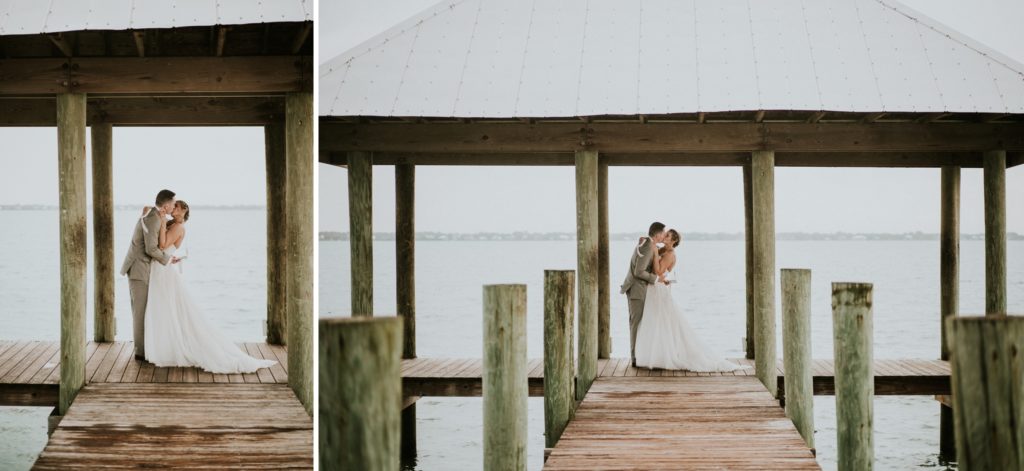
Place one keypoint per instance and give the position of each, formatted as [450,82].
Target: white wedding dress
[177,334]
[665,340]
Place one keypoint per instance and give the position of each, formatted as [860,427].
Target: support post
[604,285]
[559,400]
[994,162]
[854,376]
[360,392]
[988,401]
[587,266]
[504,377]
[299,122]
[73,240]
[405,284]
[949,289]
[762,168]
[748,239]
[104,324]
[796,351]
[360,216]
[277,236]
[405,251]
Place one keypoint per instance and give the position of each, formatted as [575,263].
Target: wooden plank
[277,369]
[96,359]
[104,368]
[17,364]
[822,138]
[263,374]
[120,366]
[51,364]
[156,75]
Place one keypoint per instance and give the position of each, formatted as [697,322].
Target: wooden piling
[796,351]
[604,286]
[987,366]
[504,377]
[299,122]
[949,288]
[748,239]
[559,400]
[360,216]
[277,236]
[104,325]
[762,181]
[994,162]
[360,393]
[854,378]
[405,251]
[587,266]
[71,111]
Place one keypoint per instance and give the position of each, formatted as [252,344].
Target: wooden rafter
[222,37]
[61,41]
[872,117]
[300,37]
[933,117]
[816,117]
[140,42]
[994,117]
[700,117]
[759,116]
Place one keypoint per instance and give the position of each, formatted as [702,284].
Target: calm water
[226,271]
[711,285]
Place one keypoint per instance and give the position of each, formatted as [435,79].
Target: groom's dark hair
[656,227]
[163,197]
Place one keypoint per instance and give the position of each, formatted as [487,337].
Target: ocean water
[226,272]
[450,276]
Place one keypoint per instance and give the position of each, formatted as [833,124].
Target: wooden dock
[462,376]
[181,426]
[29,370]
[680,422]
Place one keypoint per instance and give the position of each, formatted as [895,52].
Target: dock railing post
[360,393]
[104,326]
[987,367]
[854,378]
[504,377]
[559,298]
[587,269]
[71,112]
[796,354]
[762,168]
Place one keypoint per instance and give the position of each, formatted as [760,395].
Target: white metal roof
[51,16]
[500,58]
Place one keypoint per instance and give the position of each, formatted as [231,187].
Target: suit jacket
[639,274]
[145,248]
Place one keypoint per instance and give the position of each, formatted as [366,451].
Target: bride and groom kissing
[169,327]
[659,335]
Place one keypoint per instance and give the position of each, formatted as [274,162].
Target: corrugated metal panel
[51,16]
[494,58]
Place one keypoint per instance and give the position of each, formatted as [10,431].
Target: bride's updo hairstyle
[676,238]
[184,207]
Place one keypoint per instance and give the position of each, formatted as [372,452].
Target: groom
[144,249]
[637,279]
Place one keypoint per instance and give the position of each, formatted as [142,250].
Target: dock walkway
[687,422]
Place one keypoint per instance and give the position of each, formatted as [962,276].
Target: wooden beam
[301,36]
[155,111]
[995,232]
[701,117]
[140,42]
[299,167]
[277,238]
[59,40]
[759,116]
[405,255]
[222,37]
[587,268]
[462,138]
[104,326]
[872,117]
[816,117]
[762,172]
[257,75]
[931,118]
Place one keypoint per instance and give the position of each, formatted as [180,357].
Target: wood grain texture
[277,237]
[604,285]
[762,168]
[995,232]
[796,350]
[748,243]
[852,341]
[360,393]
[299,216]
[182,426]
[949,287]
[360,216]
[150,111]
[558,370]
[725,422]
[988,397]
[73,240]
[504,377]
[104,326]
[405,254]
[587,268]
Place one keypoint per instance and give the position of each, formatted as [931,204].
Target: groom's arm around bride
[637,279]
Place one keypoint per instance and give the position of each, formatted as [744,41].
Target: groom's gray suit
[635,285]
[144,249]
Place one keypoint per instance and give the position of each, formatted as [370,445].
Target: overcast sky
[472,199]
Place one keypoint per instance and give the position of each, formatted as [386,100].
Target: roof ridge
[955,35]
[387,35]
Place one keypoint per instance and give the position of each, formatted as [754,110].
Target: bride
[176,333]
[664,338]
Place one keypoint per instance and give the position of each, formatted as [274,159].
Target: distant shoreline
[738,236]
[125,207]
